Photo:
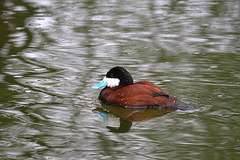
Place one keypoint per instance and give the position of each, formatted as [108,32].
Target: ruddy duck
[121,91]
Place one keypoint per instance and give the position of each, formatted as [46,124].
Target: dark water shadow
[119,119]
[8,25]
[15,22]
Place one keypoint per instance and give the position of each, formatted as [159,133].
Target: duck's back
[140,94]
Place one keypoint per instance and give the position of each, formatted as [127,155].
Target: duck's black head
[120,73]
[114,77]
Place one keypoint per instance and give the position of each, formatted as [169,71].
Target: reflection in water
[119,119]
[14,38]
[114,123]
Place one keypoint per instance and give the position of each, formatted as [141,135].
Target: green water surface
[53,51]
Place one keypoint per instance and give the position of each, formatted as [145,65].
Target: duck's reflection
[118,119]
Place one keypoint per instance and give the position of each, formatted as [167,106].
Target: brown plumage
[138,95]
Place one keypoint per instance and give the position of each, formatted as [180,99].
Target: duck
[120,90]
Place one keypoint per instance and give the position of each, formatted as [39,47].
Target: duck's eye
[111,75]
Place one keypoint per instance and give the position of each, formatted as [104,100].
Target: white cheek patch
[112,82]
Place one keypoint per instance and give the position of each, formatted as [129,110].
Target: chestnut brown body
[141,94]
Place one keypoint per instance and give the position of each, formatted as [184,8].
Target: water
[53,51]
